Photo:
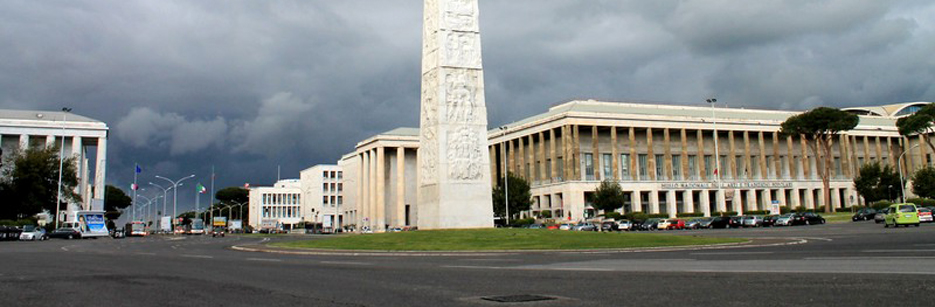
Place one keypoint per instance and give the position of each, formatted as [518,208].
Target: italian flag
[201,189]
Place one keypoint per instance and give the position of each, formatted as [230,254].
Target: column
[614,155]
[533,175]
[510,157]
[596,153]
[688,199]
[879,150]
[521,158]
[650,157]
[738,205]
[866,150]
[50,141]
[747,159]
[796,200]
[777,160]
[401,184]
[576,152]
[685,171]
[809,198]
[553,155]
[542,161]
[667,146]
[634,171]
[493,165]
[767,199]
[922,149]
[77,152]
[671,205]
[100,170]
[764,169]
[806,160]
[781,197]
[567,158]
[23,141]
[361,190]
[732,159]
[702,169]
[790,151]
[751,200]
[637,201]
[720,200]
[654,202]
[835,197]
[892,153]
[705,200]
[381,188]
[372,186]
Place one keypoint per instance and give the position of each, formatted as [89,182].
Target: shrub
[635,216]
[613,215]
[783,210]
[800,209]
[880,205]
[921,202]
[7,222]
[524,222]
[545,214]
[756,212]
[696,214]
[725,213]
[659,216]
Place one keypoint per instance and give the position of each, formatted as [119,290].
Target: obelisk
[454,164]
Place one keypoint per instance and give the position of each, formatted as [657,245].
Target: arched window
[910,110]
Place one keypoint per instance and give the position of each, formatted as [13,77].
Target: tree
[30,185]
[608,196]
[520,197]
[923,182]
[921,122]
[877,182]
[231,195]
[115,200]
[819,127]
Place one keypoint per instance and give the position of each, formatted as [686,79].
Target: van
[901,214]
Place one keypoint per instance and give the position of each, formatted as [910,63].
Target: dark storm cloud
[249,86]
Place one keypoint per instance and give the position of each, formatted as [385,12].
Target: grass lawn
[499,239]
[837,217]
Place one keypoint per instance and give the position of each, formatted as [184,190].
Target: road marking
[819,239]
[198,256]
[731,253]
[346,262]
[870,258]
[64,249]
[175,238]
[264,259]
[898,251]
[147,254]
[505,260]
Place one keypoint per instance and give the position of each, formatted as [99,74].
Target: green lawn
[837,217]
[499,239]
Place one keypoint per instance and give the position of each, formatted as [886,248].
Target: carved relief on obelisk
[454,163]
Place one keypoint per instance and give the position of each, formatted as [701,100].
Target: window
[340,200]
[324,174]
[589,166]
[340,187]
[642,160]
[660,167]
[324,187]
[608,165]
[334,174]
[624,166]
[324,200]
[709,166]
[333,200]
[676,167]
[548,170]
[692,169]
[724,171]
[333,187]
[340,175]
[837,167]
[561,168]
[741,167]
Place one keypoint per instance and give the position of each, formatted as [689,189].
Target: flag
[134,187]
[201,189]
[715,172]
[138,169]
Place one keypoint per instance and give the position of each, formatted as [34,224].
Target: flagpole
[211,202]
[135,174]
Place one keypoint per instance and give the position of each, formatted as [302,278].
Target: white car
[783,220]
[624,225]
[566,227]
[33,233]
[664,224]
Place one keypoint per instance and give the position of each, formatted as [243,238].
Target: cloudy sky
[247,86]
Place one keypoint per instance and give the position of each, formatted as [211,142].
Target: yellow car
[902,214]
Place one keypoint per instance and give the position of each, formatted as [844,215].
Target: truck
[165,224]
[89,224]
[135,229]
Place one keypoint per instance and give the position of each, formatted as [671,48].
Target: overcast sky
[247,86]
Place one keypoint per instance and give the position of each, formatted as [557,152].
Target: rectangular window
[770,168]
[324,200]
[324,174]
[644,172]
[724,171]
[333,174]
[548,170]
[589,166]
[608,165]
[624,166]
[742,168]
[692,167]
[333,187]
[340,187]
[333,200]
[837,167]
[324,187]
[660,167]
[340,175]
[561,169]
[709,166]
[340,200]
[676,167]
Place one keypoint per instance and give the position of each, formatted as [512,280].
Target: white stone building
[24,128]
[277,207]
[323,195]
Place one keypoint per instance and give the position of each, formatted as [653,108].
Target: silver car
[784,220]
[624,225]
[33,233]
[752,221]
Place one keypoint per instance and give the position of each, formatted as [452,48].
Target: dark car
[705,222]
[864,214]
[736,221]
[650,224]
[65,233]
[808,218]
[770,220]
[218,232]
[609,226]
[9,233]
[720,222]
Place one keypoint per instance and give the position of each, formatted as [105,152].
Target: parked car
[785,220]
[881,215]
[624,225]
[678,224]
[705,222]
[736,221]
[650,224]
[864,214]
[535,226]
[720,222]
[769,220]
[925,215]
[693,224]
[9,233]
[809,218]
[552,227]
[663,224]
[902,214]
[752,221]
[609,226]
[586,227]
[65,233]
[566,226]
[33,233]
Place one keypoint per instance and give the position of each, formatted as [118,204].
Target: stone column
[521,158]
[100,170]
[781,197]
[732,159]
[650,157]
[401,185]
[738,204]
[381,188]
[78,153]
[510,157]
[747,158]
[596,154]
[50,141]
[836,197]
[777,159]
[688,200]
[686,173]
[866,150]
[372,204]
[705,199]
[790,151]
[23,141]
[533,175]
[720,200]
[806,160]
[767,199]
[361,190]
[614,156]
[543,177]
[751,200]
[553,155]
[667,146]
[796,199]
[567,159]
[654,202]
[576,152]
[922,149]
[637,201]
[764,169]
[809,198]
[702,168]
[879,150]
[671,205]
[892,153]
[634,169]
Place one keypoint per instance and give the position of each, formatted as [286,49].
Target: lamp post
[717,155]
[506,181]
[899,165]
[61,164]
[165,195]
[175,193]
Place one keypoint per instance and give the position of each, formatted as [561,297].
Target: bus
[197,227]
[135,229]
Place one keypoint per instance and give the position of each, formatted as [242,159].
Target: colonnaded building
[663,156]
[20,129]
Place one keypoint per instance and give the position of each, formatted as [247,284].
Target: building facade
[323,188]
[668,160]
[83,138]
[277,207]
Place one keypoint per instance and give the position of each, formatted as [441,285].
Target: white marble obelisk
[454,164]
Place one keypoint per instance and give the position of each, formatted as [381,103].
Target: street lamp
[165,194]
[175,192]
[717,155]
[506,182]
[899,165]
[61,163]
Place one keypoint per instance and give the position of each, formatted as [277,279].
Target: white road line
[346,262]
[198,256]
[264,259]
[819,239]
[732,253]
[64,249]
[898,251]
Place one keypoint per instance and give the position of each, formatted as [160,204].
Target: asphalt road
[859,264]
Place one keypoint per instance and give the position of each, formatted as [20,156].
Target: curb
[319,252]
